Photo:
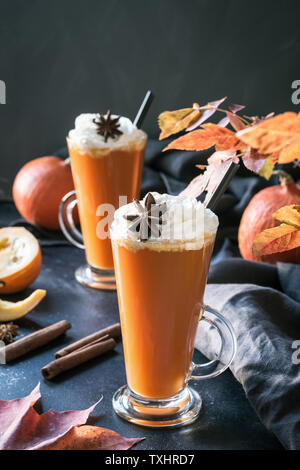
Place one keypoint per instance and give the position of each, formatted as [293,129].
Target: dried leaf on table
[92,438]
[276,240]
[22,428]
[218,163]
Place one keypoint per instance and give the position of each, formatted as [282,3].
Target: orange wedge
[11,311]
[20,259]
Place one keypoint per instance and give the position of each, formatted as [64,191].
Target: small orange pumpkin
[38,189]
[258,217]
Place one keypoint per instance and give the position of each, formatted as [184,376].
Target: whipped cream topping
[85,133]
[187,224]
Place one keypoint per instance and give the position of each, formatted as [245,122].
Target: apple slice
[20,259]
[10,311]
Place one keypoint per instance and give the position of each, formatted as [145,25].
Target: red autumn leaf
[217,166]
[92,438]
[253,164]
[276,240]
[236,122]
[206,137]
[253,160]
[22,428]
[14,410]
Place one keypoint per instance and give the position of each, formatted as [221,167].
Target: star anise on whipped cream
[149,218]
[107,127]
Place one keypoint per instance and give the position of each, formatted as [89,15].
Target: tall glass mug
[160,284]
[107,171]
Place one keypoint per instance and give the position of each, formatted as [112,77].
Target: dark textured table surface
[227,420]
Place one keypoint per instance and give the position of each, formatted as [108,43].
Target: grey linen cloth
[267,364]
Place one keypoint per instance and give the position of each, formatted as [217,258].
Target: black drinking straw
[222,186]
[141,114]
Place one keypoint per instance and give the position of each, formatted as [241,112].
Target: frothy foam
[85,135]
[188,225]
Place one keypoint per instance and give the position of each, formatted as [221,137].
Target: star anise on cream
[7,332]
[148,220]
[107,127]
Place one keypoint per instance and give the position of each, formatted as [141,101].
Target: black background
[63,57]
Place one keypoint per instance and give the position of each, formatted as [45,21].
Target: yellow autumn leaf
[288,215]
[171,122]
[267,170]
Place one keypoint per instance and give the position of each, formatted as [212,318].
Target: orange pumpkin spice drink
[160,283]
[160,298]
[107,155]
[100,177]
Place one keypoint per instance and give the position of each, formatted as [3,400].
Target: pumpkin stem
[284,177]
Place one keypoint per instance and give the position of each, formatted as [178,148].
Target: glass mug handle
[228,346]
[66,221]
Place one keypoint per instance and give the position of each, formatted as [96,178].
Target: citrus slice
[10,311]
[20,259]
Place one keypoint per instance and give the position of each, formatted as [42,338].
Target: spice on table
[77,357]
[8,331]
[113,331]
[35,340]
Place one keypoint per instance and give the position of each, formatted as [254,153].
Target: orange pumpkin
[20,259]
[258,217]
[38,189]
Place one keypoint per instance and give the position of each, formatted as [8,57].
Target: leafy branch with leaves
[259,142]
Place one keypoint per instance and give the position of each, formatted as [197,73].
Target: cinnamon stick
[113,331]
[77,357]
[35,340]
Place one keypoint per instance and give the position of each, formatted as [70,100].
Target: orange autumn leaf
[279,135]
[266,141]
[291,152]
[171,122]
[92,438]
[288,215]
[276,240]
[206,137]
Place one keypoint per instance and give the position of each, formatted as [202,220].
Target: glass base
[96,278]
[180,410]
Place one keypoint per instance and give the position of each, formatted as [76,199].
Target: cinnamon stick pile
[82,351]
[70,356]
